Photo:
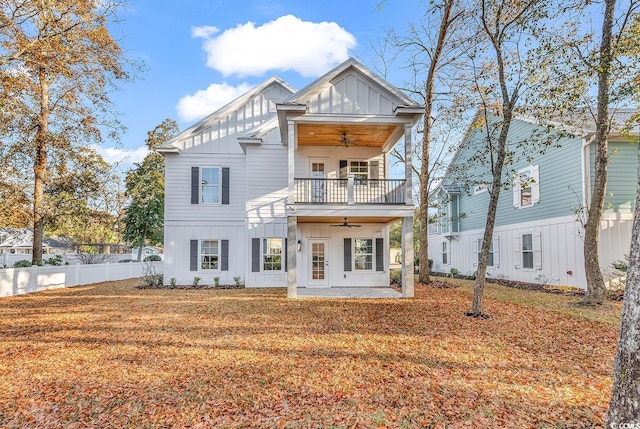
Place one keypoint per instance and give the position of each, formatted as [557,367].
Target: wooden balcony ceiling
[340,219]
[370,135]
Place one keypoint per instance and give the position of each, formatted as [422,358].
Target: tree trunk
[425,171]
[40,168]
[595,282]
[496,185]
[625,397]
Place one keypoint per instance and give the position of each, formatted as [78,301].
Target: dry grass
[110,355]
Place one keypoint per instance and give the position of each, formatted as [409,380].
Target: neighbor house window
[526,187]
[363,254]
[445,253]
[527,250]
[209,254]
[490,260]
[210,183]
[272,254]
[478,189]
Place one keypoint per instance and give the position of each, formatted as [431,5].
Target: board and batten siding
[261,229]
[219,133]
[332,158]
[351,93]
[560,182]
[338,276]
[561,259]
[177,244]
[621,178]
[178,205]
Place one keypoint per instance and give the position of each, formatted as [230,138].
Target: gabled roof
[224,111]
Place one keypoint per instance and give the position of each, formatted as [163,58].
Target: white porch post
[407,260]
[407,222]
[291,152]
[292,245]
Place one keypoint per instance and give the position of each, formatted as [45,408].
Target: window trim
[202,185]
[368,255]
[201,255]
[264,254]
[533,181]
[445,253]
[523,252]
[480,189]
[491,260]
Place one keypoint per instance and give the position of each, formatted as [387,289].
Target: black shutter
[286,254]
[347,254]
[193,255]
[225,185]
[343,169]
[379,254]
[224,255]
[374,172]
[195,185]
[255,255]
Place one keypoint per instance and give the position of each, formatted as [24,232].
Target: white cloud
[122,156]
[288,43]
[207,101]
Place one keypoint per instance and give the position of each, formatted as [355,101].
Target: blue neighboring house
[538,235]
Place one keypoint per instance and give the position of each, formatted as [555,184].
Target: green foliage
[144,218]
[196,280]
[453,272]
[216,281]
[23,263]
[238,281]
[395,276]
[54,260]
[152,258]
[151,277]
[172,282]
[621,265]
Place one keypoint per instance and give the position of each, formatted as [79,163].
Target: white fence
[9,259]
[17,281]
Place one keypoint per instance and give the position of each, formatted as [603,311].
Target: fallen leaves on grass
[111,355]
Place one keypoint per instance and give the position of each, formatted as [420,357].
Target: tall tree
[57,63]
[624,407]
[615,66]
[508,67]
[144,218]
[429,56]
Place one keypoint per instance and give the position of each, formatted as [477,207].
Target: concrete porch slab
[349,292]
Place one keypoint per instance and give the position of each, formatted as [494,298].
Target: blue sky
[200,54]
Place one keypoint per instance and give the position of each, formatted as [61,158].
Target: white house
[291,188]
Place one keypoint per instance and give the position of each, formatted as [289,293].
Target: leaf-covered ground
[112,356]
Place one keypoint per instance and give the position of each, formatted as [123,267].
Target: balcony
[350,191]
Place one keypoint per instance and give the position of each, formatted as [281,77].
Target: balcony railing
[350,191]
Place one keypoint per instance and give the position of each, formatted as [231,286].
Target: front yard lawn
[110,355]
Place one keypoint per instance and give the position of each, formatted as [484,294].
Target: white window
[490,260]
[210,183]
[479,189]
[360,170]
[445,253]
[526,187]
[209,254]
[272,254]
[363,254]
[527,251]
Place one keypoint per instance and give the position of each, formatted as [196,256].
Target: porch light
[299,245]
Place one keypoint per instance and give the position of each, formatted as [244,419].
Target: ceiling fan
[346,224]
[346,141]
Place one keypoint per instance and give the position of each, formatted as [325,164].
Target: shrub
[172,282]
[238,281]
[23,263]
[216,281]
[395,276]
[196,280]
[152,258]
[55,260]
[453,272]
[150,277]
[430,264]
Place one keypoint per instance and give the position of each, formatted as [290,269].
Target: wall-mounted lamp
[299,245]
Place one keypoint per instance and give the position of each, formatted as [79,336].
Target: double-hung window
[363,254]
[272,254]
[360,171]
[490,260]
[209,254]
[527,250]
[210,182]
[445,253]
[526,187]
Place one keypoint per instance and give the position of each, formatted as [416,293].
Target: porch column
[291,158]
[292,247]
[408,170]
[407,260]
